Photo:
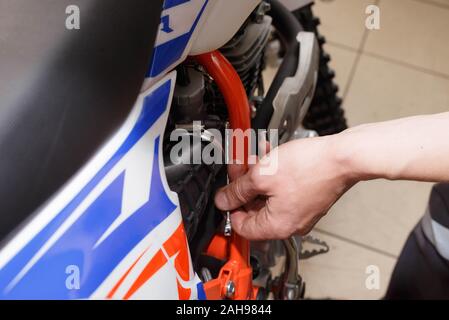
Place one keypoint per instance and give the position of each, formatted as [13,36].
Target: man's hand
[313,173]
[307,182]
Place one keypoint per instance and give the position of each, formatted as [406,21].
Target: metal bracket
[295,95]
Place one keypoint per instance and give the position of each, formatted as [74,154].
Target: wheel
[326,115]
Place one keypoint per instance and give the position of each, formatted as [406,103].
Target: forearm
[415,148]
[312,174]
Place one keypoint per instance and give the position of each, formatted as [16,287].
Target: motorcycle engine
[198,107]
[198,102]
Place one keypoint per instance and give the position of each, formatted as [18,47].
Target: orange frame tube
[237,269]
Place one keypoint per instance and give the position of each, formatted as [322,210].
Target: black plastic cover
[64,92]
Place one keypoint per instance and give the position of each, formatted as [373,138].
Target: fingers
[264,148]
[251,226]
[237,193]
[236,170]
[258,225]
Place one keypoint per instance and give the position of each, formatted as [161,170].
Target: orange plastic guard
[237,271]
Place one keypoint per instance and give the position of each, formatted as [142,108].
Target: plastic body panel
[63,93]
[192,27]
[115,230]
[115,220]
[224,18]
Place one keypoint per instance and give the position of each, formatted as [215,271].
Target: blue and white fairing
[104,219]
[178,23]
[115,229]
[192,27]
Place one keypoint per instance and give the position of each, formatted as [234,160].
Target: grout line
[357,59]
[408,65]
[354,67]
[359,244]
[341,46]
[434,3]
[360,52]
[391,60]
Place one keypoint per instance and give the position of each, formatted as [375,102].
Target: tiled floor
[400,70]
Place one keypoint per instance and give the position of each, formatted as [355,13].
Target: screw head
[230,289]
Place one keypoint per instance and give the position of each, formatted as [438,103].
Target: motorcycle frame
[155,262]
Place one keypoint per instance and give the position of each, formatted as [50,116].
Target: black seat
[64,92]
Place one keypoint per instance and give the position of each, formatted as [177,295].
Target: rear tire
[326,115]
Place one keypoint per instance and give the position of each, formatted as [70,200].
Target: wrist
[346,152]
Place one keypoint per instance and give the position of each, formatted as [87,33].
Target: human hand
[307,181]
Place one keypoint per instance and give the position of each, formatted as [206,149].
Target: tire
[326,115]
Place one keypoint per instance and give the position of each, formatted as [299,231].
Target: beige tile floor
[400,70]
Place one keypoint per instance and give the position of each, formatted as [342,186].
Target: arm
[313,174]
[413,148]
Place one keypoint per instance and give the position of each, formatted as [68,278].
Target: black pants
[422,270]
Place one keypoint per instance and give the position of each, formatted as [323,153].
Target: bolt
[263,8]
[230,289]
[266,6]
[228,225]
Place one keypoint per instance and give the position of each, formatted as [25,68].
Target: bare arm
[415,148]
[312,174]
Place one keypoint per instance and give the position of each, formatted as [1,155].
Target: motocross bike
[93,205]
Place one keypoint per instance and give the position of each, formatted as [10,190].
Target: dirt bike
[93,203]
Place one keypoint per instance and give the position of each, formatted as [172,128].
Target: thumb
[237,193]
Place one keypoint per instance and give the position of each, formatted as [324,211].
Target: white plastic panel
[295,4]
[223,20]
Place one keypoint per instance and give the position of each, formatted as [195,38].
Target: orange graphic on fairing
[175,247]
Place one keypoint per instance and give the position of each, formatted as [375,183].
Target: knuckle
[247,230]
[253,177]
[283,230]
[304,229]
[237,191]
[263,230]
[237,226]
[266,232]
[287,232]
[256,180]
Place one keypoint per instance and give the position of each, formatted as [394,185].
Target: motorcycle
[96,205]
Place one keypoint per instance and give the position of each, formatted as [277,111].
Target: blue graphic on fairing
[164,55]
[47,277]
[173,3]
[165,21]
[200,291]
